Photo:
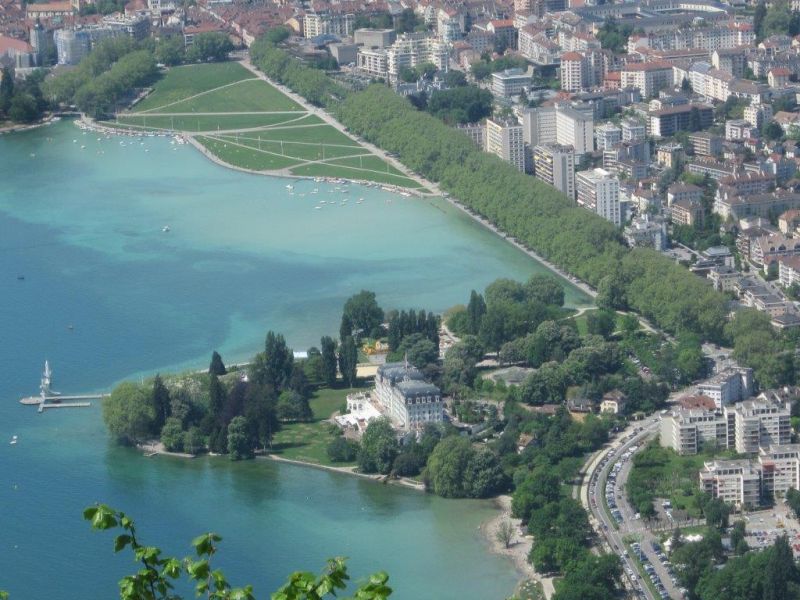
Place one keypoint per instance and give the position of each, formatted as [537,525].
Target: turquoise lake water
[82,221]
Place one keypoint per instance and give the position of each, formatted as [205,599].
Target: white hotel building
[408,399]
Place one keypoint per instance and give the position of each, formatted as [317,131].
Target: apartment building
[668,121]
[574,72]
[731,385]
[476,132]
[737,482]
[607,136]
[598,190]
[335,23]
[555,164]
[648,78]
[780,469]
[632,130]
[412,49]
[758,423]
[562,124]
[705,144]
[684,191]
[687,430]
[373,62]
[504,138]
[575,128]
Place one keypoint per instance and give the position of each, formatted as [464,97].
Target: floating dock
[50,399]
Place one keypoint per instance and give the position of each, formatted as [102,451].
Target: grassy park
[248,123]
[308,441]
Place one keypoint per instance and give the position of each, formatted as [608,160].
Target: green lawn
[325,134]
[371,162]
[662,473]
[309,441]
[301,150]
[205,123]
[244,157]
[250,95]
[181,82]
[327,170]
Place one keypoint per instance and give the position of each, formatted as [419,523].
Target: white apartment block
[728,386]
[412,49]
[408,400]
[758,114]
[607,136]
[574,72]
[374,62]
[539,126]
[757,424]
[632,130]
[340,24]
[648,78]
[737,482]
[504,138]
[687,430]
[780,469]
[555,164]
[598,191]
[575,128]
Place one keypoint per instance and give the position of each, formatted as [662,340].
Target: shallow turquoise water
[243,255]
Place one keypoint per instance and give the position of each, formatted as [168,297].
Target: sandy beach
[520,546]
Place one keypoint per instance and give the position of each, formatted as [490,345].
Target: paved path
[203,93]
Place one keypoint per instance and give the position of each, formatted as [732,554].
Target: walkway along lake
[84,227]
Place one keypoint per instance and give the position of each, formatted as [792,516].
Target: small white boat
[165,229]
[289,187]
[317,207]
[13,440]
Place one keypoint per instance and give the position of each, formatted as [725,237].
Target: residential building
[789,271]
[705,144]
[574,72]
[504,138]
[669,154]
[555,164]
[758,423]
[648,78]
[780,469]
[598,191]
[476,132]
[687,430]
[756,205]
[632,130]
[328,22]
[684,191]
[607,136]
[510,82]
[729,386]
[738,129]
[373,61]
[575,128]
[789,221]
[758,114]
[408,399]
[613,402]
[668,121]
[412,49]
[772,246]
[687,212]
[646,232]
[723,278]
[736,482]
